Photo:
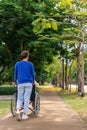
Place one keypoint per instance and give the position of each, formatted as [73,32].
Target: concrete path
[55,114]
[5,97]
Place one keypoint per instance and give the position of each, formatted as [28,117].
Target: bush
[7,90]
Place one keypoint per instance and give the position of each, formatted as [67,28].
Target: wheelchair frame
[36,104]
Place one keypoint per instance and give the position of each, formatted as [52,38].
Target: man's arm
[15,75]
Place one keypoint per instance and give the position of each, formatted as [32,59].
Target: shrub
[7,90]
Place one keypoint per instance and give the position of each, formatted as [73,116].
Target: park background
[54,32]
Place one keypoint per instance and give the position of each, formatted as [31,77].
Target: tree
[16,34]
[73,18]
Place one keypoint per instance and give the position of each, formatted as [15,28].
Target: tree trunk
[82,88]
[62,74]
[79,72]
[66,77]
[70,76]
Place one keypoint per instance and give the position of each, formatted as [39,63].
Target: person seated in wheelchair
[32,98]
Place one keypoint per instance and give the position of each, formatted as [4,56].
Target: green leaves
[54,25]
[66,4]
[41,24]
[48,25]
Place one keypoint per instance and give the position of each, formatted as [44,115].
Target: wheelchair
[34,98]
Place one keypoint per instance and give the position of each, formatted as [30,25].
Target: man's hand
[36,84]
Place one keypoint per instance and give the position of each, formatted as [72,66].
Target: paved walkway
[55,114]
[6,97]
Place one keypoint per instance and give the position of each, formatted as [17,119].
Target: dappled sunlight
[54,114]
[47,88]
[5,117]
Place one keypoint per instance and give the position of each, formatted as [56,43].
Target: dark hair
[24,54]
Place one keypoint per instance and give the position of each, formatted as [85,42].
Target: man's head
[25,54]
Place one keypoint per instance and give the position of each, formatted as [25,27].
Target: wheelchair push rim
[37,104]
[13,104]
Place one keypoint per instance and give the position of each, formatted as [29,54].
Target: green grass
[71,98]
[77,103]
[6,85]
[4,106]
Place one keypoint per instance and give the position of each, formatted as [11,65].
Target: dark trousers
[32,98]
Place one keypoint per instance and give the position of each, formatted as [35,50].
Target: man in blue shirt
[24,78]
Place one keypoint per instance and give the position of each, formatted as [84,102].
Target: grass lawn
[71,98]
[77,103]
[6,85]
[4,106]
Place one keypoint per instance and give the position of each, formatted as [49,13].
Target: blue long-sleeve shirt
[24,72]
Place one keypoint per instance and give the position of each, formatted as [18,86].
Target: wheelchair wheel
[13,104]
[37,104]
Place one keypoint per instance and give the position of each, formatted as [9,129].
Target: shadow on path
[55,114]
